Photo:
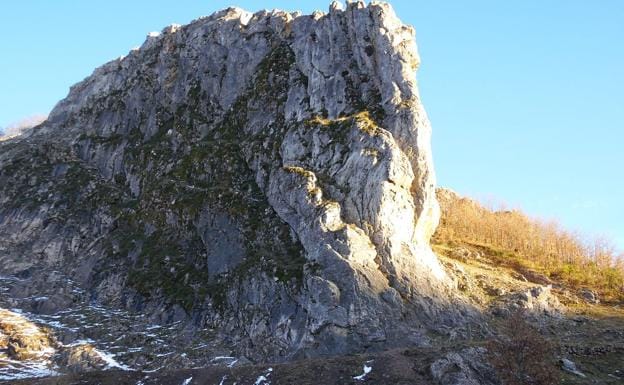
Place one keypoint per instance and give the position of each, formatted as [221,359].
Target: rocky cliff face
[267,175]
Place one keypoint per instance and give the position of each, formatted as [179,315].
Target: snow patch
[264,379]
[111,362]
[361,377]
[187,381]
[79,342]
[16,370]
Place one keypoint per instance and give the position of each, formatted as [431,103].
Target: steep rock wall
[266,174]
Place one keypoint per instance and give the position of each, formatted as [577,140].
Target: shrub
[521,356]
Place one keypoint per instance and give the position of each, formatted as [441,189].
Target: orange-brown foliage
[545,246]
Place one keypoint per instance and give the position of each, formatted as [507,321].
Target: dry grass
[363,120]
[543,246]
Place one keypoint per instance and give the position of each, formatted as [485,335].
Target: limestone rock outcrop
[268,175]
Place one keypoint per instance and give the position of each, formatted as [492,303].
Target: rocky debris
[570,367]
[490,288]
[591,335]
[535,277]
[264,175]
[28,349]
[593,350]
[49,293]
[462,280]
[465,367]
[519,276]
[120,339]
[81,358]
[538,301]
[589,296]
[464,254]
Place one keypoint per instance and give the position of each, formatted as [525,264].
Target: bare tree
[521,356]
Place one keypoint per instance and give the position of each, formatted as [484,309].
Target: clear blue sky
[526,97]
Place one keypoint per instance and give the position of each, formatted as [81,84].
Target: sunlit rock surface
[266,177]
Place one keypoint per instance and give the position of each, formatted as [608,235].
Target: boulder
[465,367]
[537,301]
[589,296]
[80,358]
[570,367]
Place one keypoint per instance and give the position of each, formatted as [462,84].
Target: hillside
[582,327]
[516,240]
[501,257]
[250,198]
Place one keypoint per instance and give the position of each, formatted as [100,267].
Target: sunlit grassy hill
[515,239]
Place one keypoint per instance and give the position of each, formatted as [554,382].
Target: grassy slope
[591,335]
[513,239]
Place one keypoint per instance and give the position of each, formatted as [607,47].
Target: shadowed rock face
[268,175]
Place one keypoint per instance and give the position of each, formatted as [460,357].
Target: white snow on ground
[265,378]
[129,335]
[153,34]
[188,381]
[79,342]
[361,377]
[153,370]
[223,380]
[224,360]
[111,362]
[15,370]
